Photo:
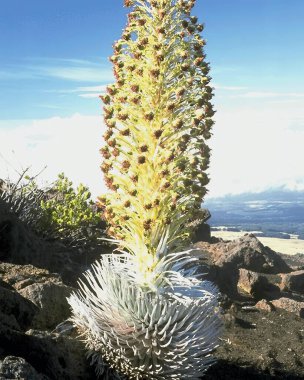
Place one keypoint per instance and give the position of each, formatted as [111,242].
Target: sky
[54,64]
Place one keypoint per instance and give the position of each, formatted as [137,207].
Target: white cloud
[65,69]
[228,88]
[90,91]
[70,145]
[77,74]
[90,95]
[269,94]
[91,88]
[255,148]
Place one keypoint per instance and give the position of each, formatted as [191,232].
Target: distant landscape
[274,213]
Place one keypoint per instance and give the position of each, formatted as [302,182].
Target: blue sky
[53,63]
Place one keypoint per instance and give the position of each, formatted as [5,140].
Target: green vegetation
[57,212]
[68,214]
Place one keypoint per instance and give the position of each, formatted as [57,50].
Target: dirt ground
[260,345]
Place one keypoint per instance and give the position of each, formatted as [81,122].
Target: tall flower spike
[160,110]
[143,313]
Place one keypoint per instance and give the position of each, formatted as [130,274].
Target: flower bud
[148,206]
[105,152]
[147,224]
[122,116]
[127,204]
[125,164]
[141,159]
[112,143]
[128,3]
[184,54]
[191,29]
[149,116]
[161,14]
[158,133]
[134,178]
[133,192]
[111,90]
[105,98]
[134,88]
[180,91]
[200,27]
[185,66]
[135,99]
[177,124]
[126,36]
[156,202]
[116,152]
[141,21]
[155,73]
[170,106]
[125,132]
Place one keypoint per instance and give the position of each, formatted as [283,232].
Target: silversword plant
[144,312]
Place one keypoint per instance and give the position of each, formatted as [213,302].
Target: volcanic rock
[43,289]
[293,282]
[264,305]
[13,367]
[226,258]
[290,305]
[16,307]
[257,285]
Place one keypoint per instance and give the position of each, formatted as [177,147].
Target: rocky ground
[263,310]
[262,302]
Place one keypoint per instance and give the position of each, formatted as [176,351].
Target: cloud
[228,88]
[90,91]
[76,74]
[70,145]
[65,69]
[90,95]
[269,94]
[255,148]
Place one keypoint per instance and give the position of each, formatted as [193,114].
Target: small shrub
[57,212]
[69,214]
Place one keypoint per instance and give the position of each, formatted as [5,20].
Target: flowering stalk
[158,115]
[144,312]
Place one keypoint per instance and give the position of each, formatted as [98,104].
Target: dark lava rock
[290,305]
[13,305]
[226,258]
[43,289]
[293,282]
[14,368]
[264,305]
[202,233]
[20,245]
[54,355]
[249,253]
[257,285]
